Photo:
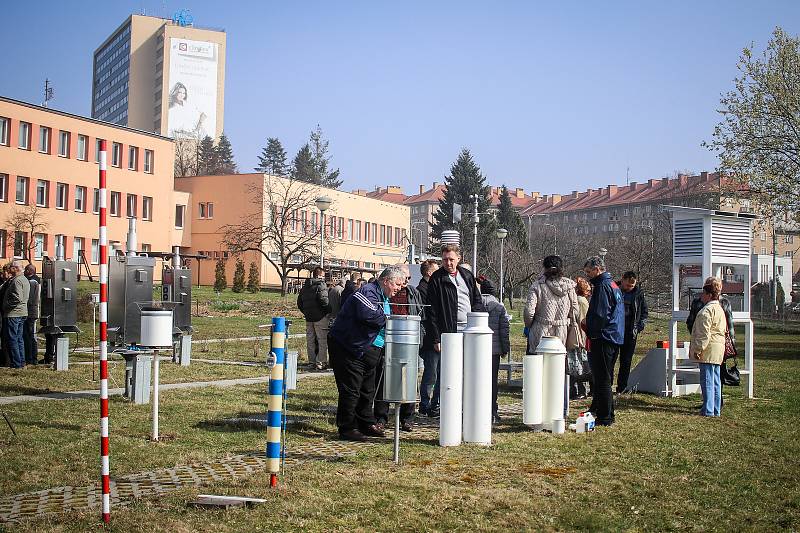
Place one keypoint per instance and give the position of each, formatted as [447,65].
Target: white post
[478,379]
[475,239]
[554,354]
[532,368]
[322,239]
[155,396]
[451,398]
[501,270]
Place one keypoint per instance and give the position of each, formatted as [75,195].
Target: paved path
[95,393]
[125,489]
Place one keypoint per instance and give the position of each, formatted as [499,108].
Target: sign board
[192,86]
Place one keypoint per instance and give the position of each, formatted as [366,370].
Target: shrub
[253,278]
[220,281]
[238,277]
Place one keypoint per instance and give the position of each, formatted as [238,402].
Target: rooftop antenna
[48,92]
[628,175]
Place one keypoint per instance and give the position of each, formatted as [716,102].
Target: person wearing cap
[501,344]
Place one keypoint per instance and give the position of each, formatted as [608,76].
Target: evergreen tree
[509,218]
[303,166]
[206,157]
[238,277]
[465,180]
[224,157]
[220,280]
[321,160]
[253,278]
[273,158]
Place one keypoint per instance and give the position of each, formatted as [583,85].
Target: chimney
[545,197]
[633,185]
[665,181]
[421,189]
[652,183]
[520,193]
[555,198]
[394,189]
[435,184]
[704,176]
[612,190]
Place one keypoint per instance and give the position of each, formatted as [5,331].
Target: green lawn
[661,467]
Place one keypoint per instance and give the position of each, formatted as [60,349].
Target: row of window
[345,229]
[62,195]
[82,146]
[118,52]
[21,248]
[108,112]
[110,46]
[764,251]
[788,239]
[118,91]
[119,77]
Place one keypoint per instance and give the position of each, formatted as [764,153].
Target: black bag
[730,376]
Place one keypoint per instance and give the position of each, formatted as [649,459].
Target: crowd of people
[596,317]
[19,305]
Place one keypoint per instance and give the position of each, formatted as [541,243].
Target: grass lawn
[661,467]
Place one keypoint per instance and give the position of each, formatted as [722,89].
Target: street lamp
[501,234]
[603,253]
[323,203]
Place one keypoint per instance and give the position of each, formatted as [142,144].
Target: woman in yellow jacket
[708,346]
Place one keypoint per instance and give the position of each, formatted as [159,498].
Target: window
[3,243]
[147,208]
[22,190]
[95,251]
[179,211]
[763,236]
[82,148]
[62,191]
[3,187]
[4,122]
[350,229]
[314,222]
[63,144]
[358,230]
[202,210]
[80,199]
[146,247]
[780,270]
[25,135]
[789,253]
[763,250]
[148,161]
[20,243]
[96,202]
[383,234]
[133,158]
[77,248]
[38,246]
[788,239]
[44,140]
[398,237]
[340,228]
[594,215]
[115,197]
[97,150]
[130,203]
[41,192]
[116,154]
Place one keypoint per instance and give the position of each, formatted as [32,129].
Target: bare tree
[187,151]
[519,266]
[280,227]
[26,222]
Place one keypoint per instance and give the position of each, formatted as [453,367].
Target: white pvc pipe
[155,396]
[450,396]
[532,370]
[554,372]
[478,379]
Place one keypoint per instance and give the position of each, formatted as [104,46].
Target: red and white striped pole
[104,469]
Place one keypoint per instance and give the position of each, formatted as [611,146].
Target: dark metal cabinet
[59,295]
[177,287]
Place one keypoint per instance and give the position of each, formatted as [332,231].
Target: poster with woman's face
[192,88]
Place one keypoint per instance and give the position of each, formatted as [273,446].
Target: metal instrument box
[176,286]
[59,294]
[130,282]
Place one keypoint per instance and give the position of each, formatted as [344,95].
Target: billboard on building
[192,88]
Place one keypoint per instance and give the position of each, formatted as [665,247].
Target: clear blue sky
[550,96]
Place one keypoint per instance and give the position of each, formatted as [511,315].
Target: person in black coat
[635,319]
[429,387]
[452,293]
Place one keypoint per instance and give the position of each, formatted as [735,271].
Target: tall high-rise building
[163,76]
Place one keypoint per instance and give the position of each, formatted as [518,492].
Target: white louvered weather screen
[730,238]
[688,238]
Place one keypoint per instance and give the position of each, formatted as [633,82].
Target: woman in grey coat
[501,345]
[551,303]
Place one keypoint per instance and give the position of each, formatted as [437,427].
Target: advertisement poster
[192,89]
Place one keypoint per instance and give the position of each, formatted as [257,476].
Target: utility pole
[774,264]
[475,237]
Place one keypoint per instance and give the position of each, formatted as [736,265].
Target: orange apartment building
[49,171]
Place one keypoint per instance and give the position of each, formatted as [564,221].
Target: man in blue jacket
[356,346]
[605,326]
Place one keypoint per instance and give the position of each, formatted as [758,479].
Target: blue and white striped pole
[274,415]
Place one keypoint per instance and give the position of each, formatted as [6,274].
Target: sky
[547,96]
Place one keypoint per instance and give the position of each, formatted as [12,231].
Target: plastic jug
[584,423]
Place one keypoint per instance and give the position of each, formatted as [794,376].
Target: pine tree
[206,157]
[465,180]
[321,160]
[253,278]
[509,218]
[224,157]
[303,166]
[273,158]
[238,277]
[220,280]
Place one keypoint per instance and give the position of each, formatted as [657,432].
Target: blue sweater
[606,316]
[360,320]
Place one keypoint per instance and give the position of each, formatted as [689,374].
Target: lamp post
[603,253]
[501,234]
[323,203]
[475,222]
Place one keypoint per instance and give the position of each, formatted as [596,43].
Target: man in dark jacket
[313,303]
[29,337]
[356,343]
[349,288]
[605,325]
[407,301]
[452,293]
[635,320]
[429,388]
